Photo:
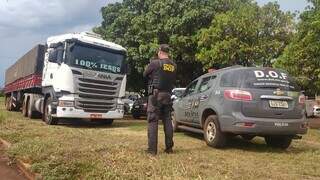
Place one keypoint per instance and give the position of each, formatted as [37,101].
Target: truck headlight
[63,103]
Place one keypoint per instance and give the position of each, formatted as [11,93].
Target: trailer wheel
[31,114]
[47,113]
[25,107]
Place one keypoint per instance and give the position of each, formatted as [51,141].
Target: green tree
[247,35]
[140,25]
[301,57]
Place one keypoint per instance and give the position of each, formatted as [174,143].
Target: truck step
[192,129]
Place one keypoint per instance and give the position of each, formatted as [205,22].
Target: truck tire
[31,114]
[47,113]
[175,124]
[212,133]
[281,142]
[25,105]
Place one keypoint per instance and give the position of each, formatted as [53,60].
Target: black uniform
[162,76]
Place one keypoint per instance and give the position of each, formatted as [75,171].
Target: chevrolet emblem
[278,92]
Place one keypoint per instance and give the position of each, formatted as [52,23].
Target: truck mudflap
[71,112]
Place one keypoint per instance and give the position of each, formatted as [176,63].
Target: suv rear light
[238,95]
[302,99]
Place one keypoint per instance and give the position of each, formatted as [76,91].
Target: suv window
[269,79]
[231,79]
[205,83]
[191,88]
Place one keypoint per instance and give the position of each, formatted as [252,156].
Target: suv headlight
[63,103]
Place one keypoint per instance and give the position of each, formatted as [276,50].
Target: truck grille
[97,96]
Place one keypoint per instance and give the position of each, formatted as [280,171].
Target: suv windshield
[95,58]
[269,79]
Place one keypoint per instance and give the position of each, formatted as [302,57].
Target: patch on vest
[168,67]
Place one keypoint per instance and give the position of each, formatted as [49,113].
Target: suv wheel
[175,124]
[282,142]
[212,133]
[47,113]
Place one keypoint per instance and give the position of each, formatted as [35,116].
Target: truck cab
[84,76]
[76,75]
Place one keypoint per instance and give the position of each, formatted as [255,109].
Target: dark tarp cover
[31,63]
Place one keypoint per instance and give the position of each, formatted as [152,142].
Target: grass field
[83,150]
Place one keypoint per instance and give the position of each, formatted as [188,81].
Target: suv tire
[212,133]
[175,124]
[47,113]
[282,142]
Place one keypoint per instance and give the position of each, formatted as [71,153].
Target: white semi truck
[77,75]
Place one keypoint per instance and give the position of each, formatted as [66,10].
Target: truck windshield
[95,58]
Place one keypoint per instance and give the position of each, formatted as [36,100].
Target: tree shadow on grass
[255,145]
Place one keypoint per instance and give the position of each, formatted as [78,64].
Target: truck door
[53,57]
[200,100]
[185,104]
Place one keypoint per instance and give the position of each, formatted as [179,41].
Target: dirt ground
[8,171]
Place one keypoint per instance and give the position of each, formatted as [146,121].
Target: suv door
[200,99]
[184,105]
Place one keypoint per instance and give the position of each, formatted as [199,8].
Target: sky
[25,23]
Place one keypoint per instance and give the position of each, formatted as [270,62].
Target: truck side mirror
[56,55]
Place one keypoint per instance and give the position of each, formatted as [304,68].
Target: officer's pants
[159,107]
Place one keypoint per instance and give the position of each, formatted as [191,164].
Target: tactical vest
[164,77]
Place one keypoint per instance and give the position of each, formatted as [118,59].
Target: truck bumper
[71,112]
[239,124]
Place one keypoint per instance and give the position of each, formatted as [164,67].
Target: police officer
[161,74]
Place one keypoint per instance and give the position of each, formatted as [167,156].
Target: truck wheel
[175,124]
[25,108]
[47,113]
[136,115]
[31,114]
[212,133]
[247,137]
[282,142]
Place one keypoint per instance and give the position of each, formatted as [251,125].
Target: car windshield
[95,58]
[269,79]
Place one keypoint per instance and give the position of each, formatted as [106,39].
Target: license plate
[281,124]
[96,116]
[137,106]
[278,104]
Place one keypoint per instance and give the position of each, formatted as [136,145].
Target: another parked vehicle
[139,108]
[77,75]
[316,111]
[243,101]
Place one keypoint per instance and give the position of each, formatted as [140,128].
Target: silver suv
[245,101]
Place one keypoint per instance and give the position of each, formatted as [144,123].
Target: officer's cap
[164,48]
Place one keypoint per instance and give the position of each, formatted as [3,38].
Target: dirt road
[8,172]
